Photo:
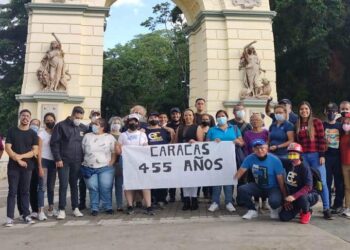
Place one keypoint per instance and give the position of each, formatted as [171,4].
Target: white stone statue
[52,73]
[250,63]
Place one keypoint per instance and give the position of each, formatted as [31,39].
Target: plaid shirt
[319,142]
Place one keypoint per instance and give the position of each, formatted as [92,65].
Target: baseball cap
[258,142]
[154,113]
[176,109]
[133,116]
[285,101]
[332,107]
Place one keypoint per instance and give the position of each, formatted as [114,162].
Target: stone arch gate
[218,30]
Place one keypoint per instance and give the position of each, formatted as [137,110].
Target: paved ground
[171,228]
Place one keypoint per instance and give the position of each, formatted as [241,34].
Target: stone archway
[218,30]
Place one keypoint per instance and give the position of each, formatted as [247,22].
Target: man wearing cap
[268,173]
[200,110]
[332,130]
[292,117]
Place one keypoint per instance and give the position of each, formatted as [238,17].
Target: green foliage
[13,34]
[312,48]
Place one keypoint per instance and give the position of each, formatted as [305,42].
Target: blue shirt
[278,135]
[231,133]
[266,171]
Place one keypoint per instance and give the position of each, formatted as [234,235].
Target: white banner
[179,165]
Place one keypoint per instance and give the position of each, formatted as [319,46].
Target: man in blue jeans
[268,173]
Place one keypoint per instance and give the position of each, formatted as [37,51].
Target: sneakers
[109,212]
[305,218]
[42,216]
[327,214]
[130,210]
[213,207]
[28,220]
[257,205]
[274,213]
[61,215]
[94,213]
[149,211]
[77,213]
[34,215]
[250,215]
[265,205]
[9,222]
[346,213]
[337,210]
[52,212]
[230,207]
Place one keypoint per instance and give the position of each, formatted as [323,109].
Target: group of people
[286,166]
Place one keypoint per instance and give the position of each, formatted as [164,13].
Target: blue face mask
[280,117]
[34,128]
[221,120]
[95,129]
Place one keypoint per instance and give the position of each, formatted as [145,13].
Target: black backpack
[316,179]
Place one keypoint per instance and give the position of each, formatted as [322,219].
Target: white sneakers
[34,215]
[52,212]
[274,213]
[42,216]
[213,207]
[9,222]
[346,213]
[77,213]
[250,215]
[61,215]
[230,207]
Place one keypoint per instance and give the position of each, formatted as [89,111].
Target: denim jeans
[302,203]
[334,170]
[33,193]
[313,160]
[69,173]
[100,186]
[247,191]
[227,192]
[47,182]
[18,177]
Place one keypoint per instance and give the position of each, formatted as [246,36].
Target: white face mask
[77,122]
[115,127]
[240,114]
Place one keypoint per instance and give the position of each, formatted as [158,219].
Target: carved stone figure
[250,63]
[247,4]
[52,74]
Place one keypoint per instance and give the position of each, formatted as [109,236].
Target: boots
[187,203]
[194,203]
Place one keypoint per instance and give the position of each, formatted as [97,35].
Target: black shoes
[194,203]
[327,214]
[94,213]
[187,203]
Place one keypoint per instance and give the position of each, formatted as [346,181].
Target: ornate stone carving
[247,4]
[254,87]
[52,74]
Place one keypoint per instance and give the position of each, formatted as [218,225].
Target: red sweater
[345,149]
[318,144]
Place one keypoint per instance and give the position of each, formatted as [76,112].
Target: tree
[13,34]
[312,48]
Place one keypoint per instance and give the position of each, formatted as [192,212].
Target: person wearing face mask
[67,152]
[239,113]
[200,110]
[133,136]
[47,178]
[345,161]
[94,115]
[97,168]
[223,132]
[158,135]
[116,124]
[332,130]
[299,181]
[281,133]
[268,174]
[291,116]
[344,108]
[21,145]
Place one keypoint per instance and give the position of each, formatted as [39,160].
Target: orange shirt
[345,149]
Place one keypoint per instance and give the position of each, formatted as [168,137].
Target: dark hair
[200,99]
[240,104]
[78,110]
[25,111]
[50,114]
[163,113]
[279,106]
[310,122]
[102,122]
[194,116]
[35,120]
[221,111]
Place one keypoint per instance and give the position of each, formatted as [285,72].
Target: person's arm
[113,159]
[200,134]
[39,159]
[176,140]
[240,172]
[280,180]
[290,135]
[320,140]
[55,143]
[267,107]
[239,141]
[171,132]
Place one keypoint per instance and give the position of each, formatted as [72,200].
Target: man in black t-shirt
[200,110]
[22,147]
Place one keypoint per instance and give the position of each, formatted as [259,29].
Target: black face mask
[343,113]
[205,123]
[262,158]
[133,126]
[154,122]
[330,116]
[50,125]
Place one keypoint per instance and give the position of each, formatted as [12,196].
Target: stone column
[79,25]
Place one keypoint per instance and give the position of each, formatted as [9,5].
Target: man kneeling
[268,173]
[300,187]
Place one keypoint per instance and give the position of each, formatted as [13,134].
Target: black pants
[69,173]
[303,204]
[82,191]
[334,170]
[159,195]
[33,193]
[18,177]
